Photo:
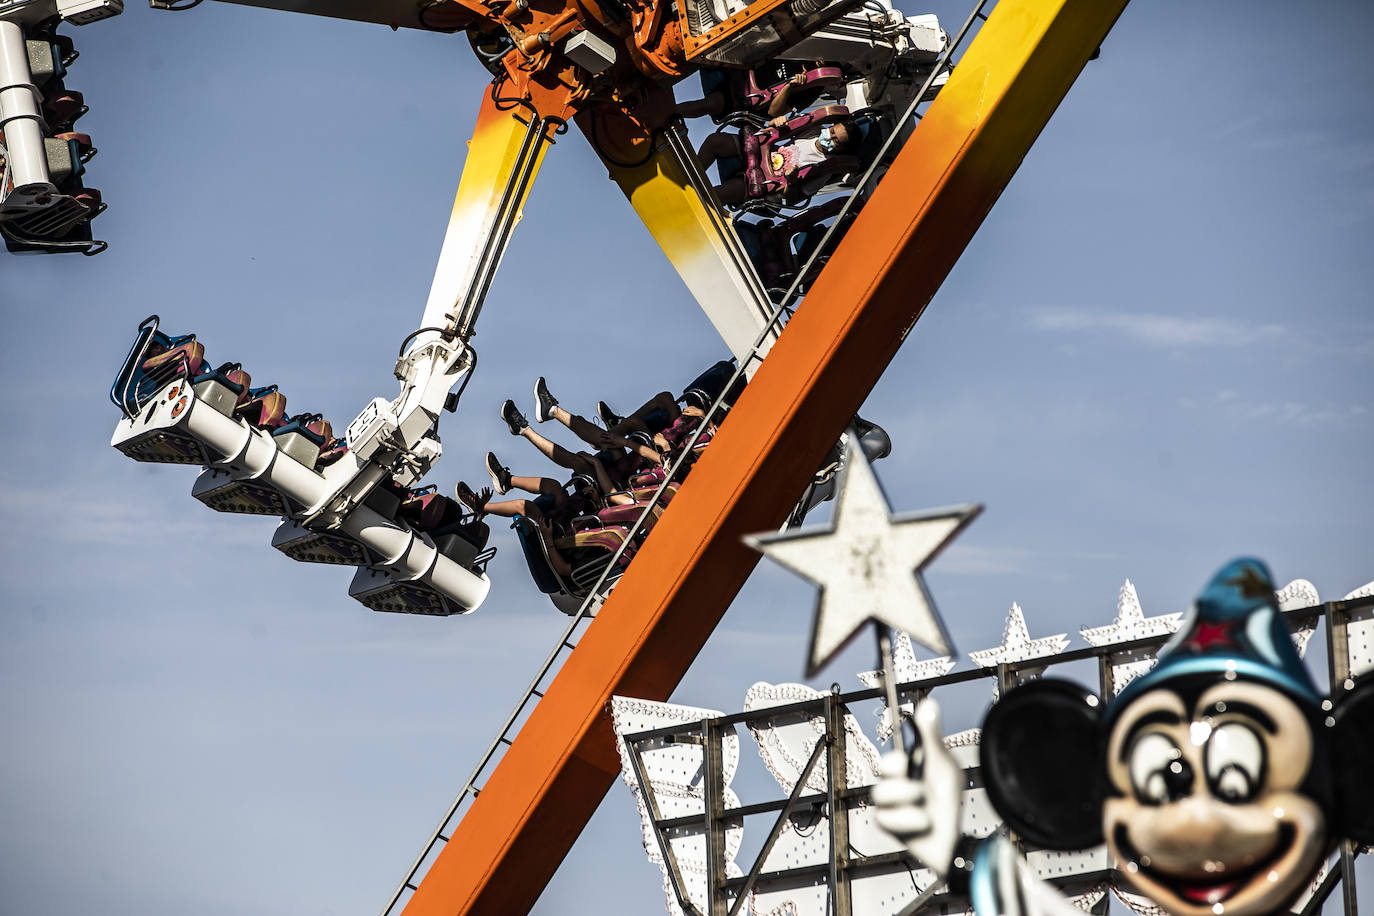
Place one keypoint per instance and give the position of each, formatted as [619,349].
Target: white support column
[20,118]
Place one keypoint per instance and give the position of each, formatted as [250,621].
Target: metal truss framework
[728,896]
[877,283]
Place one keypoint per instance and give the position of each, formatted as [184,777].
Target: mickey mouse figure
[1220,780]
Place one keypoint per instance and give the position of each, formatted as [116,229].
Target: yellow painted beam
[713,266]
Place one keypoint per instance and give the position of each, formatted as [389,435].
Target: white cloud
[1293,413]
[1155,329]
[967,559]
[113,519]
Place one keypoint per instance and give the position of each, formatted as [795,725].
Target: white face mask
[826,141]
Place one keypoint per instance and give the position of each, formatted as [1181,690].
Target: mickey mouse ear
[1352,762]
[1042,763]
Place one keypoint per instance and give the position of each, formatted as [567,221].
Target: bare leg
[663,401]
[717,146]
[603,479]
[559,562]
[734,191]
[510,508]
[551,450]
[544,486]
[713,105]
[581,427]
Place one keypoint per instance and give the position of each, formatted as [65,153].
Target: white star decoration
[1131,622]
[868,564]
[1017,646]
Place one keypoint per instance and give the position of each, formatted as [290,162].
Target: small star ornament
[868,564]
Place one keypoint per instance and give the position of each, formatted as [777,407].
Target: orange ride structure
[608,67]
[870,294]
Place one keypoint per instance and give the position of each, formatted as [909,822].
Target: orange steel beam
[877,283]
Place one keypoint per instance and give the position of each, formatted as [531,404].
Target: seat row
[571,532]
[306,437]
[783,140]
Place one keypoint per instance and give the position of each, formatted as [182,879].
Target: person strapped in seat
[783,164]
[772,90]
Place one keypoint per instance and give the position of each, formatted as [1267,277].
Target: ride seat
[265,408]
[331,452]
[224,388]
[465,542]
[428,510]
[607,538]
[302,437]
[780,249]
[470,528]
[188,348]
[312,426]
[643,486]
[62,107]
[627,515]
[650,478]
[874,128]
[536,556]
[808,122]
[702,391]
[819,79]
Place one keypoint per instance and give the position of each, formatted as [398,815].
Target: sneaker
[608,416]
[515,420]
[476,503]
[500,474]
[544,403]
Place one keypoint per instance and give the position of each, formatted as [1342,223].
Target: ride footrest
[380,592]
[223,492]
[300,543]
[163,444]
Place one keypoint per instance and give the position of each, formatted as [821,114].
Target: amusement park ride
[826,291]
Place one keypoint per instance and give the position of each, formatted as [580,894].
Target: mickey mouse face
[1208,815]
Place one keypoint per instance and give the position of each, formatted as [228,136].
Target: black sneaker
[500,474]
[544,403]
[515,420]
[476,503]
[608,416]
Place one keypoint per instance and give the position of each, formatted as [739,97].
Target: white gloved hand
[922,810]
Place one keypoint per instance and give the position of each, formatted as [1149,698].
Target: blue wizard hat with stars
[1234,630]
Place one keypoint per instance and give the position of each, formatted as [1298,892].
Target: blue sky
[1156,354]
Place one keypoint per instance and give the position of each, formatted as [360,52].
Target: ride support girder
[874,288]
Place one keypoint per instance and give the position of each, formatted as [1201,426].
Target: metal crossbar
[665,848]
[839,800]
